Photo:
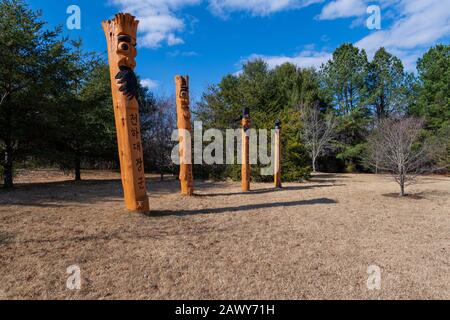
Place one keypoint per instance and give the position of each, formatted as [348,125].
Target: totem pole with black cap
[246,170]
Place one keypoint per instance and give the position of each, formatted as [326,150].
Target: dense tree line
[271,95]
[56,109]
[55,101]
[357,94]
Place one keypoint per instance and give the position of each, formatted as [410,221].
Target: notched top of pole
[122,24]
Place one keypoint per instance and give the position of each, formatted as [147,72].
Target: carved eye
[124,46]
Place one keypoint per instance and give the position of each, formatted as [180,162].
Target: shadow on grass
[58,194]
[249,207]
[415,196]
[330,176]
[267,190]
[61,194]
[327,178]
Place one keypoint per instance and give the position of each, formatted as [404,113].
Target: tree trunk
[402,182]
[8,170]
[314,165]
[402,189]
[161,178]
[77,168]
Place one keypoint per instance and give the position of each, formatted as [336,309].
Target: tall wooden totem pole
[184,134]
[245,171]
[277,157]
[120,35]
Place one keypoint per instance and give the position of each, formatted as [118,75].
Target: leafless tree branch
[317,131]
[395,147]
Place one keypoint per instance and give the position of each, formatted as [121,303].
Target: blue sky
[208,39]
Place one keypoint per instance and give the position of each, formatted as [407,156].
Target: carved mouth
[124,68]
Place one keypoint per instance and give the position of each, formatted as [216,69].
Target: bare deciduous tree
[317,132]
[158,125]
[395,147]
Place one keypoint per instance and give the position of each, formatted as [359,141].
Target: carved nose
[130,63]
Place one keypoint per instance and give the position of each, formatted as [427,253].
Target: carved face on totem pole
[126,51]
[184,90]
[184,96]
[125,30]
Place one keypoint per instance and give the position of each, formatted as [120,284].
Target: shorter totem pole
[245,171]
[184,134]
[120,35]
[277,157]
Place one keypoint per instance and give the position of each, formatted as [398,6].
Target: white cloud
[257,7]
[420,25]
[417,24]
[343,9]
[352,8]
[305,59]
[161,22]
[149,83]
[178,53]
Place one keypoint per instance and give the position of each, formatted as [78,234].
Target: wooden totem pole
[277,157]
[120,35]
[184,134]
[245,171]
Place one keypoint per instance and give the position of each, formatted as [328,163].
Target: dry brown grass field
[311,240]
